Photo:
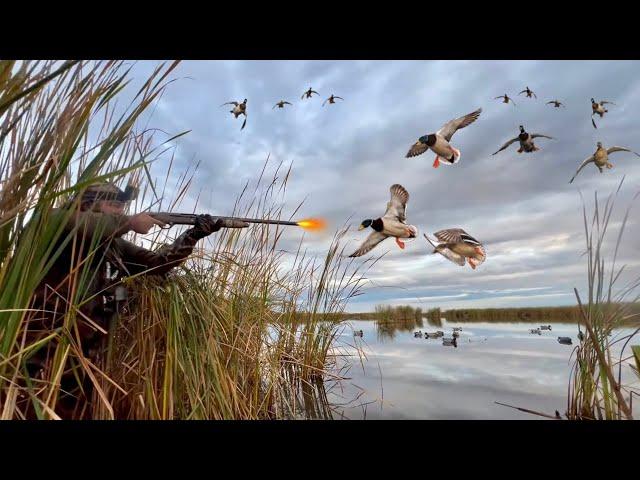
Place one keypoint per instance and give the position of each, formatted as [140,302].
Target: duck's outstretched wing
[604,102]
[586,162]
[244,123]
[550,102]
[416,149]
[275,105]
[534,94]
[593,122]
[339,98]
[456,235]
[325,102]
[288,103]
[506,145]
[539,135]
[452,126]
[230,103]
[620,149]
[501,96]
[523,91]
[397,206]
[369,244]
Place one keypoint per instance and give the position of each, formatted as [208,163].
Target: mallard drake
[565,340]
[332,99]
[392,224]
[459,247]
[506,99]
[556,103]
[437,334]
[417,334]
[238,109]
[601,158]
[439,142]
[526,141]
[309,93]
[598,107]
[545,327]
[281,104]
[535,331]
[528,92]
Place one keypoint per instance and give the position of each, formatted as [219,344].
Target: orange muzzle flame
[313,224]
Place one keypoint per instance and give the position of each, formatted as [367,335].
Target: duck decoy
[565,340]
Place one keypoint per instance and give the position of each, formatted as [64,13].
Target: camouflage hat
[109,191]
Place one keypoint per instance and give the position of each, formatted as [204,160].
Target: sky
[345,157]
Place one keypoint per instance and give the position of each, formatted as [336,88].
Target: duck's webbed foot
[609,165]
[400,243]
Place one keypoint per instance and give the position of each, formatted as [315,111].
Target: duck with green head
[526,141]
[439,142]
[391,224]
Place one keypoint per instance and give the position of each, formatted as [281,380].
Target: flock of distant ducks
[455,244]
[240,108]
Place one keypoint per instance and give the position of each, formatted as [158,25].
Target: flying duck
[331,99]
[392,224]
[528,92]
[506,98]
[309,93]
[281,104]
[439,142]
[459,247]
[598,107]
[526,141]
[556,103]
[601,158]
[238,109]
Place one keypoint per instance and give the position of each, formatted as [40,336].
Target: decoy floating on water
[601,158]
[526,141]
[392,224]
[437,334]
[535,331]
[565,340]
[417,334]
[450,342]
[439,142]
[545,327]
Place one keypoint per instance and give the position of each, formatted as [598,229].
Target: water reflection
[404,377]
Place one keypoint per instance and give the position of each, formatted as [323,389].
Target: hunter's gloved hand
[205,226]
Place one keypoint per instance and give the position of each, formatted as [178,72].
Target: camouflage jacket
[93,241]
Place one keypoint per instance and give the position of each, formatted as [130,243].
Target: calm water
[404,377]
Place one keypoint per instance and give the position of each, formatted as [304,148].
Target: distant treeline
[552,314]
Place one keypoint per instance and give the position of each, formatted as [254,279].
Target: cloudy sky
[346,156]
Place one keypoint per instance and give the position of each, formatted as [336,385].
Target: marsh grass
[239,331]
[597,389]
